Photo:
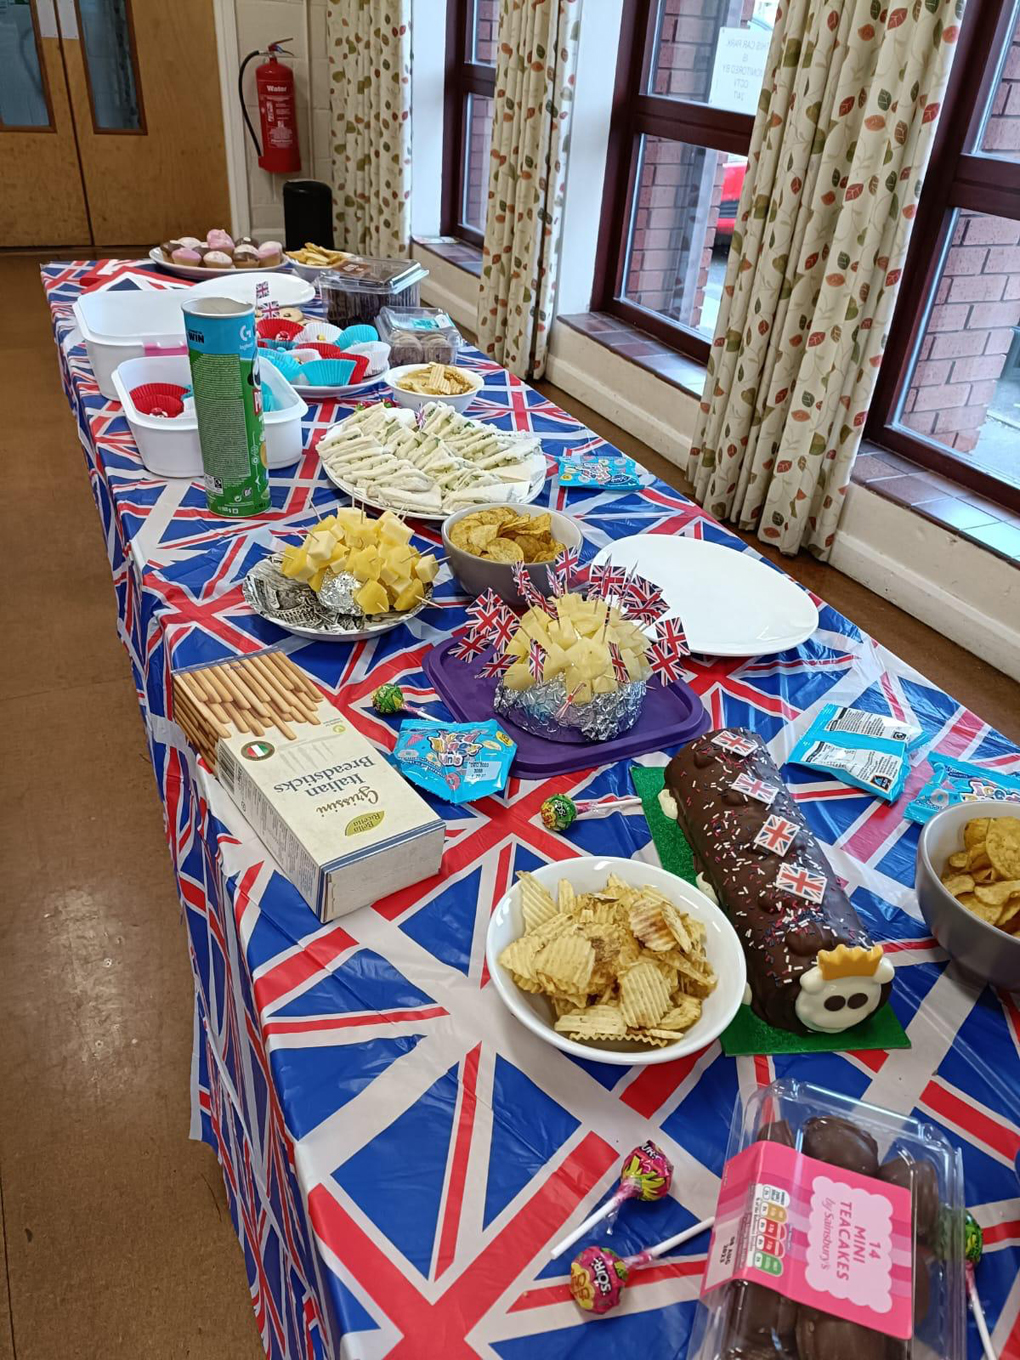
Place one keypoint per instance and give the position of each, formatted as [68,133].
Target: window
[688,80]
[948,393]
[473,27]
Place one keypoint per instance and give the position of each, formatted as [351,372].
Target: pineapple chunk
[426,568]
[294,562]
[409,596]
[373,599]
[365,563]
[320,544]
[518,677]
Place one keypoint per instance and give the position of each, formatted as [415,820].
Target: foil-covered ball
[337,592]
[558,812]
[647,1173]
[388,699]
[597,1279]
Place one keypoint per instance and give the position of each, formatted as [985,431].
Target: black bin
[307,213]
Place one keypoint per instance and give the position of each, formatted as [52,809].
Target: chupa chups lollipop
[598,1276]
[559,811]
[646,1175]
[389,700]
[973,1248]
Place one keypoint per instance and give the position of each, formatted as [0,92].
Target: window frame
[957,177]
[635,113]
[463,77]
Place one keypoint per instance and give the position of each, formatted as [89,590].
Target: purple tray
[672,715]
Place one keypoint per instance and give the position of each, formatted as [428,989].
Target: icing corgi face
[829,1005]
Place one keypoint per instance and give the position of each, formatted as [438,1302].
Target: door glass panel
[108,50]
[23,99]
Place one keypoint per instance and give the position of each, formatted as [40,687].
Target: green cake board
[747,1033]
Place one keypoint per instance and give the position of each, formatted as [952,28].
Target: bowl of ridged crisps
[968,887]
[615,960]
[483,543]
[415,385]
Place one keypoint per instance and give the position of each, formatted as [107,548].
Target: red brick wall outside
[680,186]
[976,306]
[486,29]
[476,174]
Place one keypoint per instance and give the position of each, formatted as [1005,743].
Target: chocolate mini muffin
[840,1143]
[246,257]
[920,1179]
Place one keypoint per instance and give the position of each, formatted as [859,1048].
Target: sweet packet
[456,761]
[960,781]
[603,472]
[866,750]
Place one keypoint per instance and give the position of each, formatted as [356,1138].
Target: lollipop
[973,1247]
[389,699]
[598,1276]
[647,1173]
[560,811]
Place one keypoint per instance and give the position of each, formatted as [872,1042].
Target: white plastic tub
[170,448]
[119,326]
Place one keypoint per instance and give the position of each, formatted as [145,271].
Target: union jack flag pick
[503,629]
[536,659]
[734,743]
[485,611]
[565,566]
[557,583]
[801,882]
[471,645]
[755,788]
[776,835]
[526,587]
[670,631]
[665,662]
[619,665]
[497,665]
[642,601]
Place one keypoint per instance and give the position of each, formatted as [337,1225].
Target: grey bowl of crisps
[478,574]
[987,951]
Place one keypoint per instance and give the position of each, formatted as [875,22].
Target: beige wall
[260,22]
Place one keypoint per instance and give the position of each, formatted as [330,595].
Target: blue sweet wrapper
[866,750]
[960,781]
[604,472]
[457,761]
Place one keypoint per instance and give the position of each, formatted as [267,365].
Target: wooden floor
[116,1241]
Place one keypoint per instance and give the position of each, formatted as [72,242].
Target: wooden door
[144,85]
[42,200]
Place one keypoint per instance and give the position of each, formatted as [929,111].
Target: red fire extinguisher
[274,82]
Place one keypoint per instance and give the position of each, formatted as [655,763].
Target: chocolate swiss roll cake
[811,965]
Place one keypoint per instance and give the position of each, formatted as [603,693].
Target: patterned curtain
[530,136]
[369,48]
[840,144]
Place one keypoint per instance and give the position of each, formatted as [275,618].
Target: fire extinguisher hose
[240,95]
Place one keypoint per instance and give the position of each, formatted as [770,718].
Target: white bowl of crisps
[968,887]
[483,542]
[615,960]
[415,385]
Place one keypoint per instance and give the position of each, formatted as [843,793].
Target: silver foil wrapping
[292,604]
[538,709]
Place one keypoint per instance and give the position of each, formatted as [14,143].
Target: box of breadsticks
[345,828]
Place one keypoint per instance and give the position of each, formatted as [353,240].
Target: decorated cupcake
[217,259]
[168,247]
[192,242]
[246,257]
[218,239]
[247,241]
[270,254]
[186,256]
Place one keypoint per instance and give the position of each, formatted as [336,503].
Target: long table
[398,1152]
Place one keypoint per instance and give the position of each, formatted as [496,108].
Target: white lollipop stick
[596,807]
[597,1217]
[979,1316]
[676,1240]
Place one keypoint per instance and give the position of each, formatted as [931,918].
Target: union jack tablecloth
[398,1152]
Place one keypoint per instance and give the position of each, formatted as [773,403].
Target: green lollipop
[389,700]
[973,1247]
[973,1239]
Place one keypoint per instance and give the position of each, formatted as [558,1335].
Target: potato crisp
[984,876]
[620,963]
[503,535]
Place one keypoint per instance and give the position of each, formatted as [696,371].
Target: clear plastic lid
[743,1318]
[359,273]
[416,321]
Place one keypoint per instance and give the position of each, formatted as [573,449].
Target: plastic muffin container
[419,335]
[839,1231]
[361,287]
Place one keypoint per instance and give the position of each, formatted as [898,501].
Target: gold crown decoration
[846,962]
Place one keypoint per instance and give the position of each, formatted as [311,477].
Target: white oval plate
[538,480]
[286,290]
[188,271]
[589,874]
[730,603]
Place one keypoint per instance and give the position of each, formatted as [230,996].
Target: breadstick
[240,680]
[254,680]
[237,697]
[193,691]
[269,678]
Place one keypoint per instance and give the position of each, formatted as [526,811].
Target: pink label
[816,1234]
